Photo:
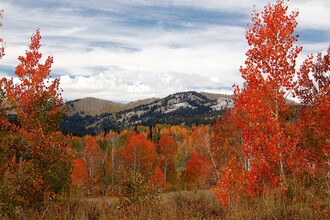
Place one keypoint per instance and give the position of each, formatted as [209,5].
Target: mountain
[93,106]
[93,116]
[215,96]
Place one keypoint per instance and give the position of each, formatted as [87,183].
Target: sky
[125,50]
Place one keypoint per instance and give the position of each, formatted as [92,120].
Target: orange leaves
[91,156]
[196,169]
[167,149]
[139,154]
[275,146]
[314,120]
[33,143]
[232,183]
[92,149]
[167,146]
[79,174]
[272,55]
[158,178]
[36,104]
[29,65]
[310,90]
[261,112]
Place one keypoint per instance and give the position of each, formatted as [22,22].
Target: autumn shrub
[136,190]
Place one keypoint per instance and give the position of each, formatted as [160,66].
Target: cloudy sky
[124,50]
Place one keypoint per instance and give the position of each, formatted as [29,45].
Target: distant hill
[93,106]
[215,96]
[93,116]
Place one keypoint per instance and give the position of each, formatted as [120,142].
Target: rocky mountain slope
[180,108]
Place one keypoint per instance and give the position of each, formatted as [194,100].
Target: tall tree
[36,158]
[113,141]
[314,116]
[225,139]
[139,154]
[202,141]
[79,175]
[195,171]
[158,178]
[37,99]
[92,158]
[261,110]
[167,148]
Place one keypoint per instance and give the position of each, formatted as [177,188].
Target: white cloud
[313,14]
[118,87]
[131,49]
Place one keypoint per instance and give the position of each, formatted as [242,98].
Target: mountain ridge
[180,108]
[87,105]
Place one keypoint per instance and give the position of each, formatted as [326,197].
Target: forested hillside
[186,108]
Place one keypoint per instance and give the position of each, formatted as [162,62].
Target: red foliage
[261,112]
[225,140]
[314,116]
[79,176]
[167,149]
[92,149]
[36,99]
[139,154]
[196,168]
[232,183]
[91,157]
[167,146]
[158,178]
[35,156]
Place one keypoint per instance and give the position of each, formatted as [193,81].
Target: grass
[297,203]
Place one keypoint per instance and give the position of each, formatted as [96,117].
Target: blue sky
[124,50]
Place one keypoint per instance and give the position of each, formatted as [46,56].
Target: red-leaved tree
[91,156]
[167,149]
[261,111]
[196,171]
[314,116]
[139,155]
[35,162]
[79,175]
